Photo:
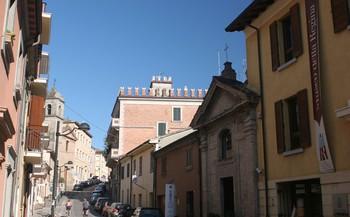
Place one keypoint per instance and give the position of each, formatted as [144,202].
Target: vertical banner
[170,203]
[312,17]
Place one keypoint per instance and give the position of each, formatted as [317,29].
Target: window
[285,38]
[11,16]
[140,200]
[127,195]
[163,166]
[140,166]
[134,200]
[134,167]
[189,158]
[177,114]
[292,122]
[128,170]
[122,172]
[161,128]
[67,144]
[49,109]
[341,14]
[225,144]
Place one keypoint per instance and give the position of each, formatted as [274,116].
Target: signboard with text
[170,203]
[323,153]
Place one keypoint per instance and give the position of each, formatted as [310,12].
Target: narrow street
[77,199]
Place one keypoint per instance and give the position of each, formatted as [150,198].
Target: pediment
[221,102]
[223,96]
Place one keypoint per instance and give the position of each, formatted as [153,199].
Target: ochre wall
[278,85]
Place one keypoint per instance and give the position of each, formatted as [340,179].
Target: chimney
[137,91]
[228,72]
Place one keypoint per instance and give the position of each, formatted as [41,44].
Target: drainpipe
[154,199]
[200,180]
[267,214]
[131,172]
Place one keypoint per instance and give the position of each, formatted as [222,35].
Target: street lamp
[82,126]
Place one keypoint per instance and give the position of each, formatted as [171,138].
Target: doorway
[304,198]
[227,195]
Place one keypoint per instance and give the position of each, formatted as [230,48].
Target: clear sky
[98,46]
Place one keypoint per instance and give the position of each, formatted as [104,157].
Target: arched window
[225,143]
[49,109]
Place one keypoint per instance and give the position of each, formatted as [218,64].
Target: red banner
[312,17]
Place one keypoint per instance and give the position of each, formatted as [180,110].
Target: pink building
[24,29]
[144,113]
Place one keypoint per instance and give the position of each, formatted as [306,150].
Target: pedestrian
[68,207]
[85,207]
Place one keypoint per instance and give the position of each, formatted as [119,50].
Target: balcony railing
[33,140]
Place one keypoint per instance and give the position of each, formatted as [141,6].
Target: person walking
[68,207]
[85,207]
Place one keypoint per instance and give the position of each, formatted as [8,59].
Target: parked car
[123,210]
[77,187]
[147,212]
[94,197]
[100,203]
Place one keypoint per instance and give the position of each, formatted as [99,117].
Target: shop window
[285,38]
[225,140]
[303,198]
[341,14]
[292,122]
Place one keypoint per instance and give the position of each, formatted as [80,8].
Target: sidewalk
[46,211]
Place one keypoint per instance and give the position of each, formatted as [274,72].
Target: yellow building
[298,60]
[75,156]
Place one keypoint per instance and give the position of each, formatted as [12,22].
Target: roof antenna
[226,51]
[219,65]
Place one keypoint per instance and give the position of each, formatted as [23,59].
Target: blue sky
[99,45]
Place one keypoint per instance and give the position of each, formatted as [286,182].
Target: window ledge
[286,64]
[293,152]
[189,168]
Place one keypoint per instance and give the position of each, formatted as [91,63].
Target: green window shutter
[279,126]
[305,140]
[296,31]
[274,46]
[341,16]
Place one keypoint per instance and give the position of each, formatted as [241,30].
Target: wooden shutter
[304,118]
[340,12]
[296,31]
[279,126]
[274,46]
